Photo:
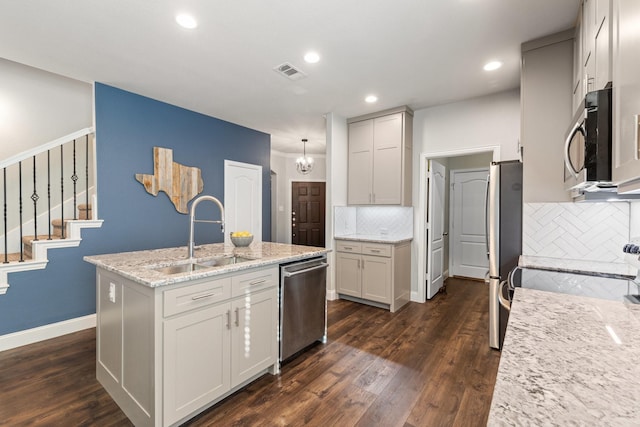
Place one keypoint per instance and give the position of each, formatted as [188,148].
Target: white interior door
[468,253]
[435,227]
[242,199]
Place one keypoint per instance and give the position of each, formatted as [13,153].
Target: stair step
[84,211]
[14,257]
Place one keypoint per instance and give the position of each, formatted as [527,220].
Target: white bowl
[242,241]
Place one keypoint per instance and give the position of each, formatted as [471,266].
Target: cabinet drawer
[255,281]
[195,296]
[346,246]
[376,249]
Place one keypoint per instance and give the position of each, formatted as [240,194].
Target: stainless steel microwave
[587,150]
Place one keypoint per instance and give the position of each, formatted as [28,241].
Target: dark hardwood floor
[426,365]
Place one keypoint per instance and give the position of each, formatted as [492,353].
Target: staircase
[54,166]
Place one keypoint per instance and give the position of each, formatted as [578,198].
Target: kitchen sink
[190,267]
[227,260]
[181,268]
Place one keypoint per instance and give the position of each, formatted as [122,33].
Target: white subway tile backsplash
[374,220]
[588,231]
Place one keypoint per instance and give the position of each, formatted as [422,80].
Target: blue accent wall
[128,126]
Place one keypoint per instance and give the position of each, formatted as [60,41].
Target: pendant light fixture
[304,164]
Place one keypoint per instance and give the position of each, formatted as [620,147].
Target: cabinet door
[376,278]
[602,45]
[196,360]
[387,160]
[348,277]
[254,334]
[360,162]
[626,90]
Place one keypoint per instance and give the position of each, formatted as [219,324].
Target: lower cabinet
[203,340]
[375,273]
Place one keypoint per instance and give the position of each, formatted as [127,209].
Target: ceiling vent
[289,71]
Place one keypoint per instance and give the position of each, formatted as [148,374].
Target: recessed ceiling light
[186,21]
[493,65]
[312,57]
[371,99]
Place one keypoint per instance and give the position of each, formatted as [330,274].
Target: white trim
[41,333]
[42,148]
[419,220]
[332,295]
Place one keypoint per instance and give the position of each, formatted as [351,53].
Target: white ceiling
[408,52]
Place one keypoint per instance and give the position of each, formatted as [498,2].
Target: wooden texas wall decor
[181,183]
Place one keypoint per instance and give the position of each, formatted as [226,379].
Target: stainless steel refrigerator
[504,243]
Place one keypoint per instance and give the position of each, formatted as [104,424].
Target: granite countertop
[138,266]
[375,238]
[568,360]
[591,268]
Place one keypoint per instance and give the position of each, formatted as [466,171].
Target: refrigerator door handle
[486,217]
[494,221]
[504,301]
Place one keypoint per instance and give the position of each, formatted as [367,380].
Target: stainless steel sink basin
[190,267]
[181,268]
[214,262]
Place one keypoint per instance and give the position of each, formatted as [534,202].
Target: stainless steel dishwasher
[303,305]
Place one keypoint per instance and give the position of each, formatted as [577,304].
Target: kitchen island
[568,360]
[176,334]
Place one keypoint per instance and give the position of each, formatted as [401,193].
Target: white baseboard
[41,333]
[332,295]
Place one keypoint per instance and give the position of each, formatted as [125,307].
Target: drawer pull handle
[210,294]
[228,319]
[375,250]
[237,316]
[349,248]
[257,282]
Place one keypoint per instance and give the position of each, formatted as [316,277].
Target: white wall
[488,121]
[337,157]
[37,107]
[284,165]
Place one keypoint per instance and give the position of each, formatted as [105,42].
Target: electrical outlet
[112,292]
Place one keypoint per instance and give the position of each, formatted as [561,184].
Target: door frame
[419,221]
[452,172]
[288,206]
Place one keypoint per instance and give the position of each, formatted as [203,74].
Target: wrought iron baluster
[86,176]
[4,182]
[35,197]
[20,208]
[62,188]
[49,192]
[74,178]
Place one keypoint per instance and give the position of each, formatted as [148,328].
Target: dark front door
[307,213]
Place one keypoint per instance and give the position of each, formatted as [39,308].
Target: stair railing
[43,165]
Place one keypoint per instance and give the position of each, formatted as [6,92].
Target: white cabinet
[592,49]
[545,101]
[380,148]
[164,354]
[626,95]
[196,361]
[374,273]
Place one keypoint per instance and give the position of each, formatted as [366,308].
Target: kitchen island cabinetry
[374,273]
[176,335]
[215,335]
[380,147]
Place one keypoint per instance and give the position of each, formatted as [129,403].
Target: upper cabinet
[626,95]
[380,147]
[545,102]
[592,54]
